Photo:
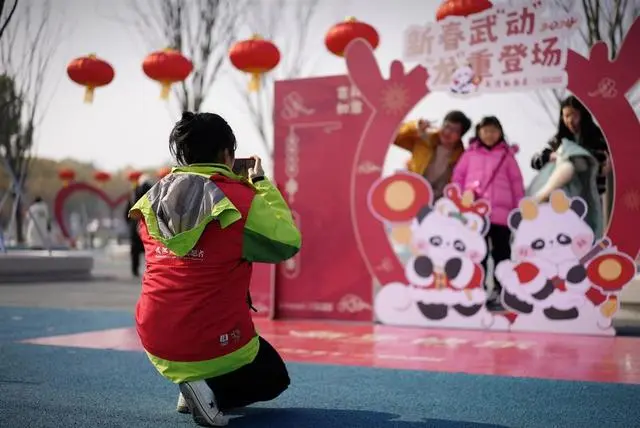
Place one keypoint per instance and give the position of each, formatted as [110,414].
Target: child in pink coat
[489,168]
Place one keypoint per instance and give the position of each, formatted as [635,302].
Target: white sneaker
[202,404]
[182,406]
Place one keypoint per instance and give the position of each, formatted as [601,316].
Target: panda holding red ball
[557,280]
[444,274]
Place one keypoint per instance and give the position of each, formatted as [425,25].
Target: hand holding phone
[248,167]
[241,166]
[256,170]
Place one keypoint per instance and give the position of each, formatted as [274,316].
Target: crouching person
[202,226]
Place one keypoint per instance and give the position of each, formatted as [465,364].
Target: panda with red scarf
[557,279]
[444,274]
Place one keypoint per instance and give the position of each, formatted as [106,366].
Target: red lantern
[101,177]
[340,35]
[91,72]
[133,178]
[255,56]
[66,175]
[165,170]
[461,8]
[167,67]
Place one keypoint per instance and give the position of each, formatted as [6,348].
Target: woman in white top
[38,224]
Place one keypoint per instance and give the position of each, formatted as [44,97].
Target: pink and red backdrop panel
[332,135]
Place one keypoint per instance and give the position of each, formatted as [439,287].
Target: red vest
[194,308]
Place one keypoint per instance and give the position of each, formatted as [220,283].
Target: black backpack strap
[250,302]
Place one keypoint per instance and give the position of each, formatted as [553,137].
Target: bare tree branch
[26,48]
[550,100]
[604,20]
[3,27]
[202,30]
[287,24]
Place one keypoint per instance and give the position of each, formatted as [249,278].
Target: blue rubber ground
[42,386]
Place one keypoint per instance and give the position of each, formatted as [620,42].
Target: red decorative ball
[101,176]
[340,35]
[254,55]
[167,67]
[611,272]
[461,8]
[91,72]
[399,198]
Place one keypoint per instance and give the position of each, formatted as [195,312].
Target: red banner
[602,85]
[318,123]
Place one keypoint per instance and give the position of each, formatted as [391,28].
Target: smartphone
[241,166]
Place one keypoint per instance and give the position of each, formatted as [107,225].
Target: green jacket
[202,227]
[583,184]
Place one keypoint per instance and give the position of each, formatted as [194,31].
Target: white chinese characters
[349,101]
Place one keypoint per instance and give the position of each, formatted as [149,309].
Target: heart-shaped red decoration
[72,188]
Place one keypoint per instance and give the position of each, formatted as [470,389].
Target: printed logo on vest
[161,252]
[224,339]
[195,254]
[235,335]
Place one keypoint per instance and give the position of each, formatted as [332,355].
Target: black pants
[262,380]
[499,242]
[137,249]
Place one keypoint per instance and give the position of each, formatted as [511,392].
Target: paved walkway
[62,368]
[69,356]
[114,288]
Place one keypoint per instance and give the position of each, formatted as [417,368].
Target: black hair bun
[187,115]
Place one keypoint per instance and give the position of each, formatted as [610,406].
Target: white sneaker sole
[200,410]
[182,406]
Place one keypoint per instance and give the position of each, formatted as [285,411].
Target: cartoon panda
[464,81]
[546,283]
[445,276]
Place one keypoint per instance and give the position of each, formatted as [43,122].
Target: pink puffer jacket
[475,169]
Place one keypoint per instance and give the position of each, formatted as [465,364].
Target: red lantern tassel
[88,94]
[254,83]
[166,88]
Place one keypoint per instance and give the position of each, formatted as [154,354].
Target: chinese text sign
[501,49]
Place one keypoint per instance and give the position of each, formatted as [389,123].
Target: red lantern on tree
[91,72]
[133,178]
[165,170]
[167,67]
[255,56]
[101,177]
[340,35]
[461,8]
[67,175]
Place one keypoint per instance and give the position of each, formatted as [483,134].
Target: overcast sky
[129,125]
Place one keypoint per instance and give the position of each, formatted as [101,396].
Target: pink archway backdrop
[321,146]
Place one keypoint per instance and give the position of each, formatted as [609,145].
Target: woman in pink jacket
[489,168]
